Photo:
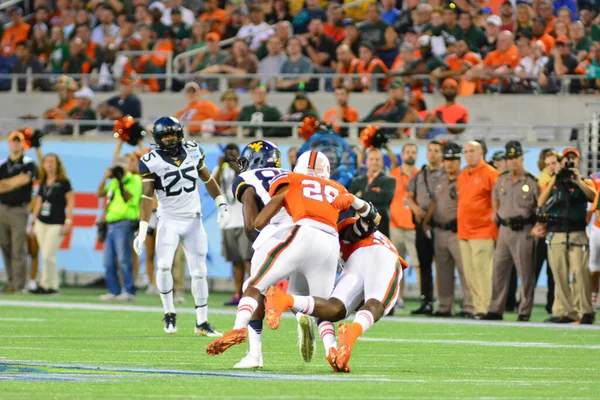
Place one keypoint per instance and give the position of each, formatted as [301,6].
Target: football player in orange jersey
[310,250]
[362,247]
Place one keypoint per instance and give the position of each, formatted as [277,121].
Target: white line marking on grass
[23,319]
[489,344]
[220,311]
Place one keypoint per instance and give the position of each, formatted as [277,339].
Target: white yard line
[220,311]
[486,343]
[23,319]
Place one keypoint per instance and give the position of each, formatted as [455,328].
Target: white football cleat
[170,323]
[206,329]
[306,337]
[31,286]
[108,297]
[152,290]
[250,362]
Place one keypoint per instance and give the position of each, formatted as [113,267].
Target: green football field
[73,346]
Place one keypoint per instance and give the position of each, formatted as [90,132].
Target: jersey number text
[175,177]
[315,191]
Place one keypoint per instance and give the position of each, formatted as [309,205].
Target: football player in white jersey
[172,171]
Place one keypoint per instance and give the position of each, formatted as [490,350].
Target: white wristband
[220,200]
[358,203]
[143,229]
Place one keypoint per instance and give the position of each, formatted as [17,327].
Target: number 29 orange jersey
[309,197]
[375,239]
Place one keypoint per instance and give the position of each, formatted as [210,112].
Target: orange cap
[213,36]
[16,135]
[562,39]
[450,82]
[571,150]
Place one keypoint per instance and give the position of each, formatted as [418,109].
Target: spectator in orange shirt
[347,64]
[450,113]
[370,65]
[499,62]
[18,32]
[539,33]
[196,110]
[406,55]
[477,231]
[229,112]
[546,11]
[333,27]
[459,60]
[342,112]
[215,16]
[402,227]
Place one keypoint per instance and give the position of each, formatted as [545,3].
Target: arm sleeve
[67,186]
[32,169]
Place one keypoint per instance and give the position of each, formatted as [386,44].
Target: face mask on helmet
[168,127]
[171,146]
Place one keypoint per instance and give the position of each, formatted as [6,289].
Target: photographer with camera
[124,192]
[235,245]
[563,207]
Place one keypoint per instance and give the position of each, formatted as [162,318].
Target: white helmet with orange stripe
[313,163]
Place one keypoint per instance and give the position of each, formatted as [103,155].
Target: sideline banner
[86,163]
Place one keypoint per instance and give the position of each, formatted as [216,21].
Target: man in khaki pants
[14,211]
[476,230]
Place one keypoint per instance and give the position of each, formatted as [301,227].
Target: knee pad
[198,271]
[163,267]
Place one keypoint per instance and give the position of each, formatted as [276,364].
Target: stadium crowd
[506,46]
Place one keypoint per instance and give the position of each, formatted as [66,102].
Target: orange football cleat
[229,339]
[348,334]
[277,301]
[332,357]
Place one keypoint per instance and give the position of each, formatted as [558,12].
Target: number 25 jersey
[309,197]
[175,180]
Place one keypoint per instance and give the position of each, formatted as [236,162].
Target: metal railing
[491,132]
[324,79]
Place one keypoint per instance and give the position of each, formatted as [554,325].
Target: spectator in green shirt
[259,112]
[581,43]
[124,192]
[474,36]
[210,62]
[179,28]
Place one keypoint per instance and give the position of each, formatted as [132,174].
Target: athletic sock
[303,304]
[200,293]
[327,332]
[255,337]
[164,283]
[245,310]
[201,313]
[365,319]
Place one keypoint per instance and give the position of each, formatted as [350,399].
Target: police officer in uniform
[514,199]
[446,248]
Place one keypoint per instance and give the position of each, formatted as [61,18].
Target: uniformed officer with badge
[442,217]
[514,199]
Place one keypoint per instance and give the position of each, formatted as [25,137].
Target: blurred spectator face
[506,10]
[407,55]
[563,49]
[145,33]
[560,28]
[351,33]
[450,49]
[141,13]
[274,45]
[364,54]
[334,13]
[564,15]
[22,52]
[126,88]
[500,164]
[524,47]
[210,6]
[434,153]
[412,4]
[156,14]
[373,14]
[552,164]
[49,164]
[83,32]
[523,14]
[259,96]
[39,3]
[230,101]
[452,167]
[83,103]
[294,47]
[213,46]
[313,4]
[473,154]
[515,165]
[62,4]
[387,5]
[239,48]
[396,94]
[585,16]
[538,50]
[315,27]
[343,54]
[505,41]
[68,18]
[546,10]
[595,51]
[538,29]
[449,17]
[449,92]
[76,46]
[56,34]
[15,17]
[300,104]
[257,16]
[191,95]
[283,32]
[409,155]
[464,21]
[81,17]
[492,30]
[176,18]
[121,21]
[41,15]
[131,163]
[341,96]
[423,14]
[437,19]
[198,30]
[462,48]
[410,38]
[16,146]
[577,31]
[107,16]
[374,161]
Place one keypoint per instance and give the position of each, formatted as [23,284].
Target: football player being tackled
[372,273]
[173,171]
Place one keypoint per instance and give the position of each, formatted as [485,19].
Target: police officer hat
[498,155]
[452,151]
[514,149]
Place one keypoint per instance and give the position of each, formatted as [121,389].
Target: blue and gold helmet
[165,126]
[259,154]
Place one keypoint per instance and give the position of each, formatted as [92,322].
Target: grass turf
[83,353]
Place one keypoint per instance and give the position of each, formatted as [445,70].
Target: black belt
[448,226]
[517,223]
[564,225]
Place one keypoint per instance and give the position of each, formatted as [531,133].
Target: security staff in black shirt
[14,210]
